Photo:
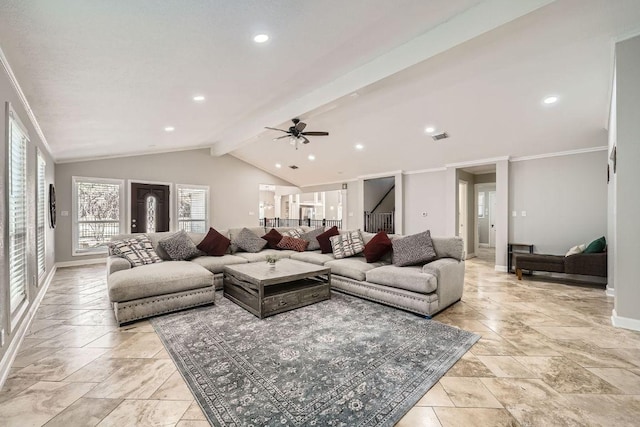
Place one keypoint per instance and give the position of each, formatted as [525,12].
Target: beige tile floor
[548,357]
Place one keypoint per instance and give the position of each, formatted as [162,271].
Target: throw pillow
[295,232]
[596,246]
[272,238]
[323,239]
[347,244]
[151,255]
[214,243]
[414,249]
[576,250]
[311,237]
[292,243]
[134,251]
[377,247]
[249,242]
[179,246]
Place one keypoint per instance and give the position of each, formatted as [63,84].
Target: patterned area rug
[341,362]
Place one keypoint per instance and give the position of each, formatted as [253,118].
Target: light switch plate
[523,213]
[514,213]
[64,213]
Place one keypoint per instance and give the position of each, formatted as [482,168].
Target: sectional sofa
[154,289]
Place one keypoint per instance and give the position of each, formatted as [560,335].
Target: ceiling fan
[296,133]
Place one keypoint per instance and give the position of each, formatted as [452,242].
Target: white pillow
[576,250]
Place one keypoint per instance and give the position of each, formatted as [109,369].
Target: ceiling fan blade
[300,126]
[315,133]
[281,130]
[280,137]
[304,140]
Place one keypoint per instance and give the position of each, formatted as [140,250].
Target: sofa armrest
[588,264]
[450,275]
[115,263]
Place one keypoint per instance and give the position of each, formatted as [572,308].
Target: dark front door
[149,208]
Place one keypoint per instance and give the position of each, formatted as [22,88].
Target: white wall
[565,200]
[627,196]
[233,195]
[424,192]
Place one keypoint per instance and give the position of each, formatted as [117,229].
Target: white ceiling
[104,78]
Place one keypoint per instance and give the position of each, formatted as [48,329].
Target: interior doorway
[149,207]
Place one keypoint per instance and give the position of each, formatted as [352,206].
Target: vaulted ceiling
[106,78]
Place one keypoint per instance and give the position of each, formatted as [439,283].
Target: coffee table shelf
[264,291]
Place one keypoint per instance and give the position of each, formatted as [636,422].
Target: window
[193,201]
[481,204]
[41,216]
[98,213]
[17,159]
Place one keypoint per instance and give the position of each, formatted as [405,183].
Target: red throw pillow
[214,243]
[377,247]
[323,239]
[272,238]
[292,243]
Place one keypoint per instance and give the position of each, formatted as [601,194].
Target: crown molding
[380,175]
[418,171]
[132,154]
[559,154]
[25,103]
[478,162]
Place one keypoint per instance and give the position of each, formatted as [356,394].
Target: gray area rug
[341,362]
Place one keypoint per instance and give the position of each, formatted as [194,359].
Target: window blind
[97,213]
[192,209]
[41,217]
[17,214]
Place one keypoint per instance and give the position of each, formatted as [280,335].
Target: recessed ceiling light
[261,38]
[198,98]
[169,129]
[430,129]
[278,165]
[550,99]
[311,157]
[359,147]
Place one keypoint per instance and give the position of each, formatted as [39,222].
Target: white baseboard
[624,322]
[483,245]
[81,262]
[12,351]
[471,255]
[501,268]
[611,292]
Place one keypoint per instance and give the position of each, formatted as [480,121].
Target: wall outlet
[64,213]
[423,214]
[514,213]
[350,213]
[251,213]
[1,337]
[523,213]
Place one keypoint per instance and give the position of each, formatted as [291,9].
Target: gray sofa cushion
[449,247]
[408,278]
[157,279]
[179,246]
[354,268]
[262,255]
[414,249]
[313,257]
[115,263]
[215,264]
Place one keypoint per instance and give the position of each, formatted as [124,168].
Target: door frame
[144,181]
[464,202]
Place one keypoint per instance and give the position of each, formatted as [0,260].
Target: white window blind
[41,217]
[98,213]
[17,213]
[192,208]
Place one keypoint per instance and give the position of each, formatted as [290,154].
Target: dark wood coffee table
[265,291]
